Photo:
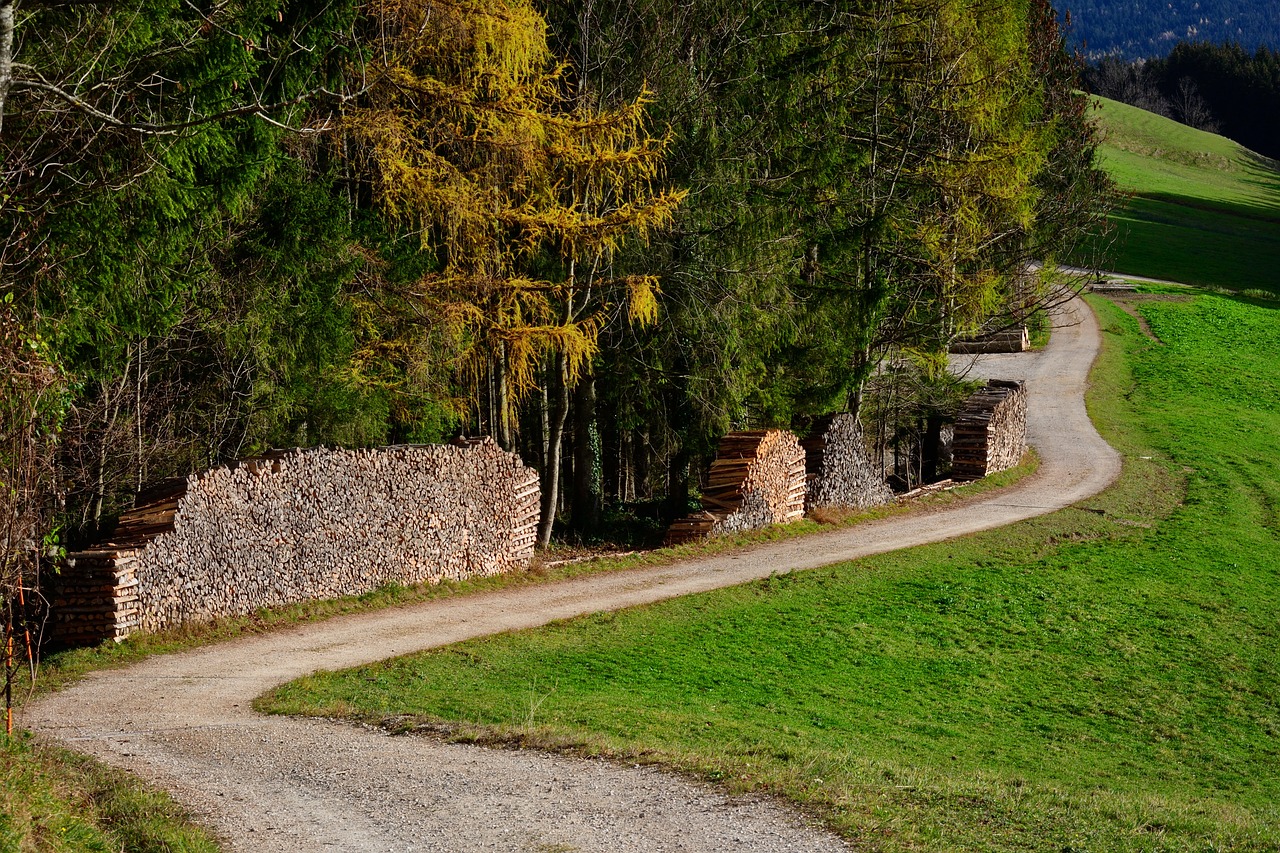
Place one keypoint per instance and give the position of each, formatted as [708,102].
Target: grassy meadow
[1203,209]
[1101,679]
[1104,678]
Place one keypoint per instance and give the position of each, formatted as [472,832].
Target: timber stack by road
[301,525]
[757,479]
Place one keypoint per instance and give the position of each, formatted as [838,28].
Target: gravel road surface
[277,784]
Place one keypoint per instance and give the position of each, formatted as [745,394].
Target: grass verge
[55,801]
[1103,678]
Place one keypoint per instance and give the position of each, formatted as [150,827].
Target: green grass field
[1105,678]
[1204,210]
[54,801]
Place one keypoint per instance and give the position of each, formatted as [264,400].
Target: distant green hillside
[1204,209]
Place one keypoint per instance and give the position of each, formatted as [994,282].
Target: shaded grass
[1204,210]
[56,801]
[1103,678]
[1166,239]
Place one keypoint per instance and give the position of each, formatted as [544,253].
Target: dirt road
[273,784]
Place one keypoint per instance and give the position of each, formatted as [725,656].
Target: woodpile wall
[840,471]
[991,431]
[302,525]
[757,479]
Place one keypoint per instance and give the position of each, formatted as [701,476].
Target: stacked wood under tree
[297,526]
[1015,339]
[991,430]
[840,470]
[95,597]
[757,479]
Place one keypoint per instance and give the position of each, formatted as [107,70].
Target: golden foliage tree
[469,135]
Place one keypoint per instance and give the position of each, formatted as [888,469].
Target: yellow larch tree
[467,134]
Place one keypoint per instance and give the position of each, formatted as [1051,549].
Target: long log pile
[991,430]
[840,471]
[303,525]
[757,479]
[1016,339]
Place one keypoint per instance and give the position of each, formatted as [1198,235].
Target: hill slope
[1204,209]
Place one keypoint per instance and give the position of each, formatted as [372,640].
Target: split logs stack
[758,479]
[1016,339]
[95,597]
[991,430]
[298,526]
[841,473]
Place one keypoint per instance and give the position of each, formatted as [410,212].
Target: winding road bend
[280,784]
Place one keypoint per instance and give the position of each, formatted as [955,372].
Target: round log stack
[757,479]
[304,525]
[991,430]
[841,473]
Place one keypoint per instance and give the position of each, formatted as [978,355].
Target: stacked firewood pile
[841,473]
[311,524]
[1016,339]
[95,597]
[991,430]
[757,479]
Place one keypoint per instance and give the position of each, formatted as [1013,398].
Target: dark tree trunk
[929,452]
[555,441]
[586,460]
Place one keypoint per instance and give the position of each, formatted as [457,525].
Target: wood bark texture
[757,479]
[840,471]
[991,430]
[301,525]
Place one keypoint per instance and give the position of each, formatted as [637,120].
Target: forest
[1141,29]
[604,232]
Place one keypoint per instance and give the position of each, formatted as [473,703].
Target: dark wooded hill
[1134,29]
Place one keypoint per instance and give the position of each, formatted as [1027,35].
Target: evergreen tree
[519,195]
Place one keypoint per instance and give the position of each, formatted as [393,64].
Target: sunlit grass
[1204,210]
[1103,678]
[54,801]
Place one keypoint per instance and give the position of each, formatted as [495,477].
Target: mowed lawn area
[1204,210]
[1106,678]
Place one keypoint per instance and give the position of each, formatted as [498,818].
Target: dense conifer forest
[1140,29]
[603,232]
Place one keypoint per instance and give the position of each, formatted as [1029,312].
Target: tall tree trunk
[555,441]
[586,459]
[503,432]
[641,454]
[623,479]
[6,53]
[544,417]
[491,401]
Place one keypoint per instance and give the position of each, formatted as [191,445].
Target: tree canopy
[603,231]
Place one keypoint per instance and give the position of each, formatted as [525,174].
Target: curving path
[280,784]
